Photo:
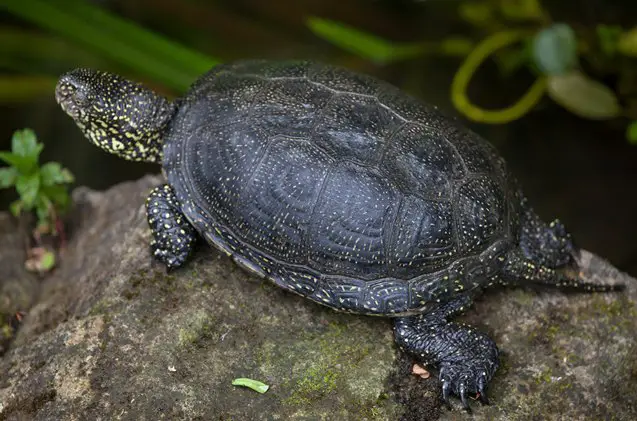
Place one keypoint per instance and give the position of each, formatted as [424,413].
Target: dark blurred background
[579,169]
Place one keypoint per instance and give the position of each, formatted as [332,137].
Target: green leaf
[555,49]
[53,173]
[47,261]
[252,384]
[8,177]
[583,96]
[363,44]
[631,132]
[28,187]
[25,151]
[58,194]
[16,207]
[25,143]
[67,176]
[21,163]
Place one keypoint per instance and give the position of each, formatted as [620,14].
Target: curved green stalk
[471,64]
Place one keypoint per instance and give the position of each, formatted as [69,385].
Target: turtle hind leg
[545,256]
[173,236]
[548,245]
[467,358]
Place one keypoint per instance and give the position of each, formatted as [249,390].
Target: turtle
[339,187]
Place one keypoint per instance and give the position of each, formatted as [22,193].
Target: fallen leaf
[419,370]
[255,385]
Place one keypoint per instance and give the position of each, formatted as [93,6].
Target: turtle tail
[520,270]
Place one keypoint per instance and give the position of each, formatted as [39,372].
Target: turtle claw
[483,399]
[446,390]
[463,397]
[482,394]
[463,383]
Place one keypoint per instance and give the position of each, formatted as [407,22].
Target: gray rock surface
[113,336]
[18,288]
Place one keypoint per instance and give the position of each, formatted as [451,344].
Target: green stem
[471,64]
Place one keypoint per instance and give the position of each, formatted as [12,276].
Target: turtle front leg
[466,357]
[173,236]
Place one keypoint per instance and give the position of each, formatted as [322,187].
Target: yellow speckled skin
[119,116]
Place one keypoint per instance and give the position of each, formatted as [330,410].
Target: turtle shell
[339,186]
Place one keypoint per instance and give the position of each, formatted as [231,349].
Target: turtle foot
[467,380]
[466,357]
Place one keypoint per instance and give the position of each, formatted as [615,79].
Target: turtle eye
[72,96]
[80,98]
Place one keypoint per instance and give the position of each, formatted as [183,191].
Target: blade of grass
[23,43]
[31,52]
[124,45]
[25,88]
[143,39]
[363,44]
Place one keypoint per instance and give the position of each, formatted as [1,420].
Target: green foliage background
[515,33]
[541,49]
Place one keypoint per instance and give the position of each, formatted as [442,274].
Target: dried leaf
[419,370]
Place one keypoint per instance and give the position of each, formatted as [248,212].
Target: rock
[18,288]
[113,336]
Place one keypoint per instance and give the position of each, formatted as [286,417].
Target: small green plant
[41,188]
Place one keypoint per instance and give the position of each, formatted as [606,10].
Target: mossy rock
[113,336]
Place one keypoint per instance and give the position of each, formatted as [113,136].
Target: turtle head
[120,116]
